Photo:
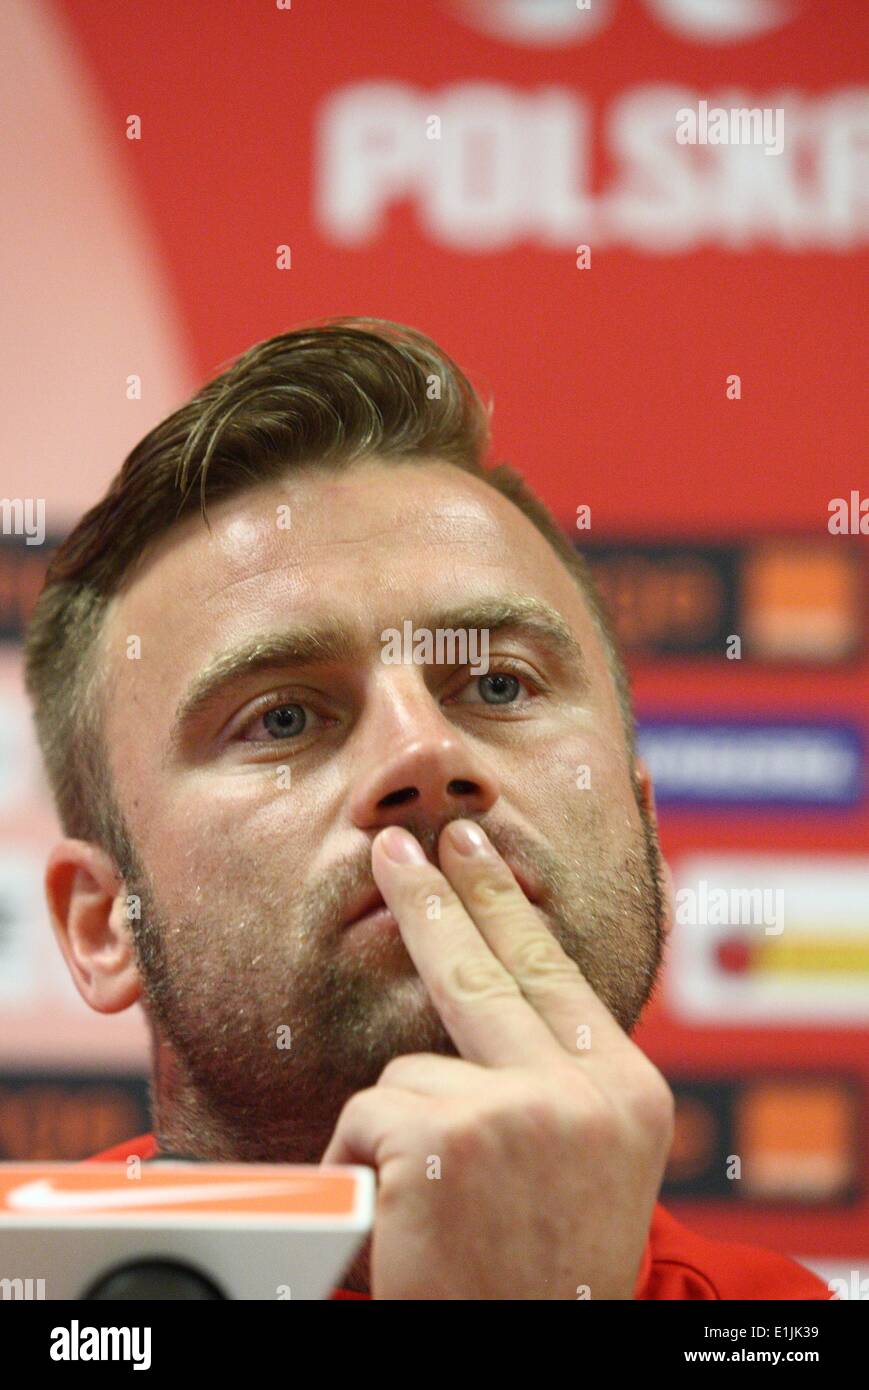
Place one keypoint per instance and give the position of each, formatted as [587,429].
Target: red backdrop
[309,127]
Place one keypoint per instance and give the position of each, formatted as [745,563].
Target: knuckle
[543,1114]
[542,961]
[404,1068]
[480,982]
[464,1138]
[490,890]
[600,1123]
[653,1103]
[356,1106]
[393,1071]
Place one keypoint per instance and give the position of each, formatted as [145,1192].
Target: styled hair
[328,395]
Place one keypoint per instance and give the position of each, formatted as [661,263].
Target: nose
[421,769]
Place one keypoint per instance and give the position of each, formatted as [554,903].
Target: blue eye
[502,684]
[503,687]
[283,721]
[286,720]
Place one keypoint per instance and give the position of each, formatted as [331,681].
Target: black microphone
[165,1280]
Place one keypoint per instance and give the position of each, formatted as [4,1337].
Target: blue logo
[753,763]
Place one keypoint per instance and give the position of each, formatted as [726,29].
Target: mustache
[351,876]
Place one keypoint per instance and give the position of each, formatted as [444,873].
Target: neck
[187,1121]
[186,1125]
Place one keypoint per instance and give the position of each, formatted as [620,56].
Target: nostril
[459,788]
[400,797]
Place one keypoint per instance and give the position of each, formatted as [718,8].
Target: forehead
[378,543]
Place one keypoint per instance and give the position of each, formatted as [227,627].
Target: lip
[372,903]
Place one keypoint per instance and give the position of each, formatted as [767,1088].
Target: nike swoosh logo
[42,1196]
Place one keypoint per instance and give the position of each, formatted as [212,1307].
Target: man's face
[252,821]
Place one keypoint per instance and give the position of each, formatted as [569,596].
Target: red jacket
[676,1263]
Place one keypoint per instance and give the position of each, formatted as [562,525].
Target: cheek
[583,774]
[234,831]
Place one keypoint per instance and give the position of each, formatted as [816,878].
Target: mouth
[371,905]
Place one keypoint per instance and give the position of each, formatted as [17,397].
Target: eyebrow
[331,640]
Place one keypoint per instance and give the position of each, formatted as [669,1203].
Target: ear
[646,794]
[645,789]
[88,909]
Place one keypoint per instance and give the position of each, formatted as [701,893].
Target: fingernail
[400,846]
[467,837]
